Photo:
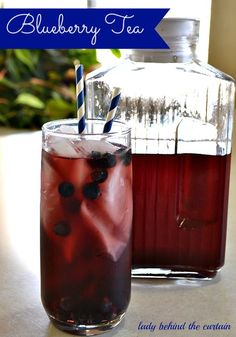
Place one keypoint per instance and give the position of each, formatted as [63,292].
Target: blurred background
[38,85]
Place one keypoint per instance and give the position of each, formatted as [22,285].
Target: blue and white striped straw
[112,111]
[79,72]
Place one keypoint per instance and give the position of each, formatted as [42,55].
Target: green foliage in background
[39,85]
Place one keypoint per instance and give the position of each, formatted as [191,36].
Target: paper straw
[112,111]
[79,71]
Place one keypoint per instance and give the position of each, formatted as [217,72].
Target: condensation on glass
[181,113]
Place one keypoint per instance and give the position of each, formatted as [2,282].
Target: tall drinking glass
[86,216]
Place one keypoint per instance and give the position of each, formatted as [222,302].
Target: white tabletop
[156,301]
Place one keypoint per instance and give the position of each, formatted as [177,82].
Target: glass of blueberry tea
[86,217]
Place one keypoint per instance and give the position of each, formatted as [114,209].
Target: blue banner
[81,28]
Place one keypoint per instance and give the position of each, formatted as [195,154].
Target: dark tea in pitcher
[180,212]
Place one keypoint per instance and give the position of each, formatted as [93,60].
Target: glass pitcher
[181,114]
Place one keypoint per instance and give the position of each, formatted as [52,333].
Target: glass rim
[74,121]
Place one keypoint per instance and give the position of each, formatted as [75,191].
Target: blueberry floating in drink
[126,157]
[96,155]
[91,191]
[109,160]
[105,160]
[99,175]
[62,229]
[66,189]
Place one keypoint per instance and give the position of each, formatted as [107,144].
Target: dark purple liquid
[85,240]
[180,211]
